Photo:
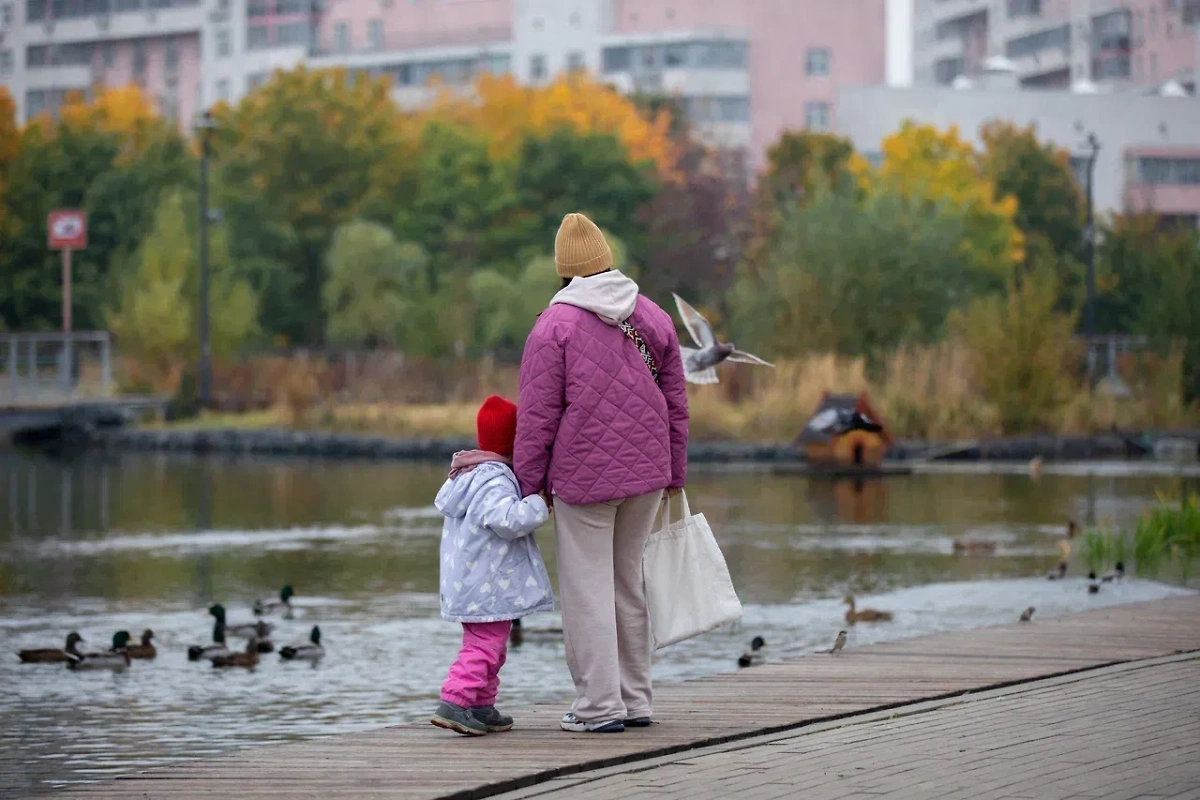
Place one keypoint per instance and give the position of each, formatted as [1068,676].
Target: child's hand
[548,500]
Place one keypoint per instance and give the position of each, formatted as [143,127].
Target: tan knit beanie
[580,249]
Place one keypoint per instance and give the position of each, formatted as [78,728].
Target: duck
[853,615]
[52,655]
[520,634]
[308,651]
[146,649]
[283,604]
[115,658]
[1072,529]
[246,658]
[217,648]
[755,656]
[1093,586]
[1027,615]
[1115,574]
[966,546]
[245,630]
[1059,572]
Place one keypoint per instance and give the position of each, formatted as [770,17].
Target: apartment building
[1057,43]
[1149,157]
[742,69]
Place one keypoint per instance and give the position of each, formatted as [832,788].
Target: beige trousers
[606,627]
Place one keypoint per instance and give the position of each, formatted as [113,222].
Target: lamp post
[1089,313]
[204,127]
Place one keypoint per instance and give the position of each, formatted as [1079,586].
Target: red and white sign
[67,229]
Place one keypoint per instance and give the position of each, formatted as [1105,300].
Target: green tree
[376,289]
[1151,276]
[855,275]
[799,161]
[298,157]
[155,316]
[1023,351]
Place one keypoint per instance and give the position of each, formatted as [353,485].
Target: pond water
[106,542]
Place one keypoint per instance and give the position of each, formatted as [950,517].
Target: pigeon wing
[691,372]
[745,358]
[695,323]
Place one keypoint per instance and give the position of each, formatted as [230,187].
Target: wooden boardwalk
[419,761]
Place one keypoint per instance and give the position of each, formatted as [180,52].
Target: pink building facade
[744,70]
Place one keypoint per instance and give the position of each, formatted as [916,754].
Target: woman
[602,430]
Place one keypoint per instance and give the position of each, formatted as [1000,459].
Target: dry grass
[921,392]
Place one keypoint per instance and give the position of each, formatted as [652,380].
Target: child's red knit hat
[496,425]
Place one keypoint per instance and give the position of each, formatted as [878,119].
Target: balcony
[395,42]
[121,24]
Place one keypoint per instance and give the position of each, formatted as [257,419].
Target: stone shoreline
[275,442]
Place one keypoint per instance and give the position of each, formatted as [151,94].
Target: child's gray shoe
[492,718]
[458,719]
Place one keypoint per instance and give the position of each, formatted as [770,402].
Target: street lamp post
[205,127]
[1089,313]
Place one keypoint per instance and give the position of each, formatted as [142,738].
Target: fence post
[106,363]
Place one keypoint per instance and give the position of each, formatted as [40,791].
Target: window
[1110,66]
[1154,66]
[537,67]
[171,56]
[34,11]
[497,65]
[375,34]
[721,55]
[35,55]
[110,54]
[675,55]
[257,8]
[129,5]
[5,15]
[1153,21]
[1111,31]
[1037,42]
[341,37]
[575,61]
[816,116]
[6,62]
[816,61]
[170,101]
[224,43]
[139,57]
[35,103]
[291,34]
[1191,12]
[945,70]
[223,90]
[292,6]
[616,59]
[1024,8]
[255,80]
[258,37]
[1168,171]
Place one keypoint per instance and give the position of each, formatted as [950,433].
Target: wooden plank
[420,762]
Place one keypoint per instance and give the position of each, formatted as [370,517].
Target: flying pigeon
[699,363]
[842,420]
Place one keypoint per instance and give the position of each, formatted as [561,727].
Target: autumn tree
[298,157]
[800,160]
[115,166]
[941,168]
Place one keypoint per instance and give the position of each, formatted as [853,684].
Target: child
[491,570]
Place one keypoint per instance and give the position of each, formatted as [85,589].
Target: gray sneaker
[458,719]
[492,718]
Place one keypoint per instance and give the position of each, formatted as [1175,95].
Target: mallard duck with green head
[245,630]
[52,655]
[246,658]
[115,658]
[282,605]
[309,651]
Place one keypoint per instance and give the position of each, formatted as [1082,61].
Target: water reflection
[130,541]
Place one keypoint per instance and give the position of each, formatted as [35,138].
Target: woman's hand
[672,491]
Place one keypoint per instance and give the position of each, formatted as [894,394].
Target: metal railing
[52,367]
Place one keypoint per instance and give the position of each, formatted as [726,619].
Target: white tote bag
[688,589]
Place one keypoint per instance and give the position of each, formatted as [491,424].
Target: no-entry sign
[67,229]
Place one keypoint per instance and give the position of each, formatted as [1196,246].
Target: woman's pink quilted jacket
[592,426]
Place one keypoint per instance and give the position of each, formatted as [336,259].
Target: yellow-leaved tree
[508,112]
[942,167]
[10,145]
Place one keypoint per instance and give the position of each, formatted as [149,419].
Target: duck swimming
[52,655]
[246,658]
[146,649]
[1059,572]
[1093,586]
[245,630]
[854,615]
[283,604]
[1116,574]
[309,651]
[115,658]
[217,648]
[755,656]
